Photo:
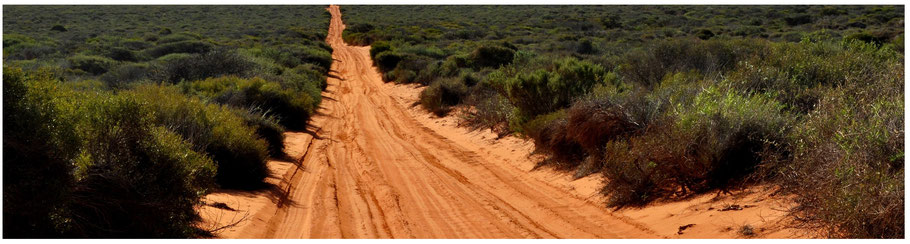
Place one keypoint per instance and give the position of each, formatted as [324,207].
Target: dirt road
[374,171]
[374,166]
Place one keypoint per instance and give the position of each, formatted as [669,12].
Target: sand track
[372,165]
[374,171]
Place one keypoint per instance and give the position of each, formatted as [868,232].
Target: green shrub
[707,57]
[847,168]
[213,129]
[607,114]
[59,28]
[585,47]
[718,140]
[491,110]
[178,47]
[40,141]
[10,40]
[200,66]
[125,74]
[545,91]
[550,136]
[21,47]
[106,169]
[798,19]
[491,56]
[386,61]
[121,54]
[379,47]
[179,37]
[592,124]
[442,94]
[292,107]
[95,65]
[28,51]
[291,56]
[704,34]
[610,22]
[135,179]
[267,128]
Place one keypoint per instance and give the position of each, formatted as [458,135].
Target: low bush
[379,47]
[440,96]
[544,91]
[122,54]
[608,113]
[125,74]
[592,124]
[95,65]
[200,66]
[709,57]
[213,129]
[490,109]
[178,37]
[178,47]
[292,107]
[135,179]
[550,136]
[492,56]
[106,168]
[40,141]
[267,128]
[291,56]
[718,141]
[21,47]
[847,165]
[387,61]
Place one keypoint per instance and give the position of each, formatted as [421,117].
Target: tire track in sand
[374,171]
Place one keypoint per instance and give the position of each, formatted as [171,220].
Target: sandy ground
[373,165]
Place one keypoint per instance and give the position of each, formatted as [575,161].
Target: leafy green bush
[550,136]
[545,91]
[491,56]
[704,34]
[440,96]
[718,140]
[291,56]
[707,57]
[125,74]
[122,54]
[95,65]
[178,47]
[386,61]
[491,110]
[847,167]
[135,179]
[267,128]
[200,66]
[133,161]
[292,107]
[21,47]
[106,168]
[798,19]
[40,141]
[213,129]
[606,114]
[178,37]
[379,47]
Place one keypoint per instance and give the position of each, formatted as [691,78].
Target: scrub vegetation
[671,101]
[118,119]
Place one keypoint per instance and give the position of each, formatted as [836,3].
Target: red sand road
[374,166]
